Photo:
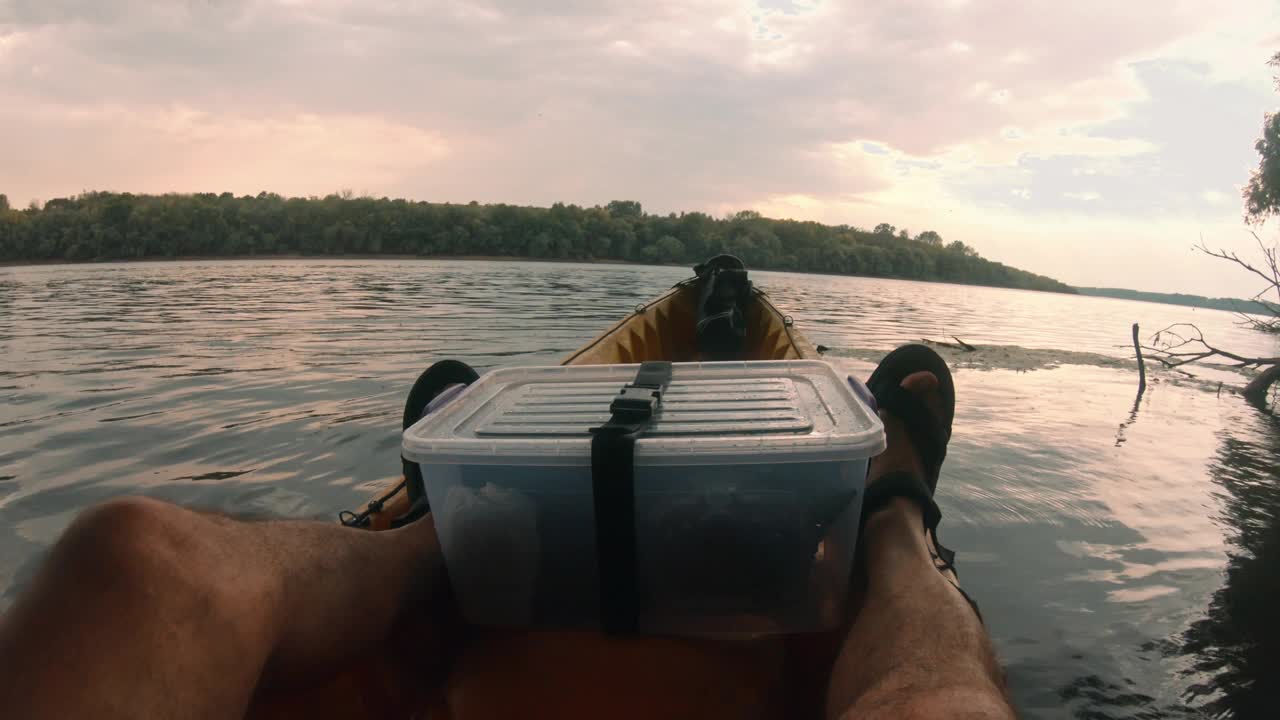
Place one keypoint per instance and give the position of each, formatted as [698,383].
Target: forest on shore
[1229,304]
[101,226]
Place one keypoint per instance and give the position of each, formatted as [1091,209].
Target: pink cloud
[716,104]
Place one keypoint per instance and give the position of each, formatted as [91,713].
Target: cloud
[851,112]
[1217,197]
[1086,196]
[186,150]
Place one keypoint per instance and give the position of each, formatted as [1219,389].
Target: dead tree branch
[1256,391]
[957,345]
[1183,343]
[1268,270]
[1142,367]
[1271,274]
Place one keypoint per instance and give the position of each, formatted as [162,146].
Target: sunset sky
[1091,141]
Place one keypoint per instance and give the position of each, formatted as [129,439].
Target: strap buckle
[636,402]
[613,489]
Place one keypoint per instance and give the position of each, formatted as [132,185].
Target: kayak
[666,328]
[716,315]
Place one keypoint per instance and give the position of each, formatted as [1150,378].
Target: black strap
[901,484]
[911,486]
[928,436]
[613,488]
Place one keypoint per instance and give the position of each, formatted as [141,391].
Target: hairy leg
[145,609]
[916,648]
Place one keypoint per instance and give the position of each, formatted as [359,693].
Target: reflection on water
[1236,645]
[1125,558]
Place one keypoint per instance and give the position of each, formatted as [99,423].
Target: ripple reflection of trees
[1237,643]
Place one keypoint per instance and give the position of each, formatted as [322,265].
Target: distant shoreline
[97,226]
[482,258]
[1235,305]
[1182,300]
[347,256]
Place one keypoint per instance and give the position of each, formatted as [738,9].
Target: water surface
[1125,557]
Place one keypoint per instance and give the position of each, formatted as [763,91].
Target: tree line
[118,226]
[1238,305]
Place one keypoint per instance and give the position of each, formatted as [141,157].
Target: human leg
[916,648]
[146,609]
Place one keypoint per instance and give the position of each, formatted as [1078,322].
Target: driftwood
[957,345]
[1142,388]
[1184,343]
[1256,391]
[1142,367]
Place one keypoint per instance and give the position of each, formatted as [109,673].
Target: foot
[902,518]
[899,453]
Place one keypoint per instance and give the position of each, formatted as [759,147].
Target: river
[1125,556]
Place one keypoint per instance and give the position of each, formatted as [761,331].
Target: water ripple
[1119,579]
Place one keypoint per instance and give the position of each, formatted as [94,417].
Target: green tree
[875,261]
[601,246]
[1262,193]
[112,225]
[670,249]
[540,246]
[929,237]
[625,209]
[4,203]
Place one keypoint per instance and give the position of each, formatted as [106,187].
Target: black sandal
[430,384]
[929,435]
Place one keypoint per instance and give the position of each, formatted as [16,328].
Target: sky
[1093,141]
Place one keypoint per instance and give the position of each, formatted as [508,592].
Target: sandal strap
[947,558]
[901,484]
[911,486]
[928,435]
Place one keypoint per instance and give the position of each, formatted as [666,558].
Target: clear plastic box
[748,489]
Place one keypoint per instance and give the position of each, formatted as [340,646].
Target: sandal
[929,432]
[436,386]
[430,385]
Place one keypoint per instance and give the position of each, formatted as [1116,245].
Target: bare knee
[134,545]
[160,560]
[121,535]
[130,597]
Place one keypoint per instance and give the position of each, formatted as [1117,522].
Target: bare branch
[1174,346]
[1270,254]
[1184,343]
[1225,255]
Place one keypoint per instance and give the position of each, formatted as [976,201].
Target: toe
[899,455]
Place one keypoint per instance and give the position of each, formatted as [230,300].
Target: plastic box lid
[721,413]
